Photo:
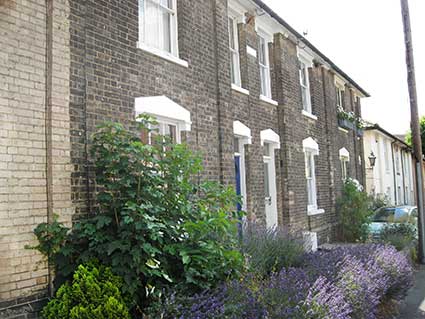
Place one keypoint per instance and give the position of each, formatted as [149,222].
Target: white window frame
[173,54]
[311,149]
[265,78]
[161,126]
[311,180]
[306,60]
[344,157]
[344,169]
[235,69]
[340,93]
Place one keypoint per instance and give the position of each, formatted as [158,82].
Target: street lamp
[372,160]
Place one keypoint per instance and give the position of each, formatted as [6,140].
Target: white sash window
[158,25]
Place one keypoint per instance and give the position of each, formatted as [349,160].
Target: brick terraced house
[228,77]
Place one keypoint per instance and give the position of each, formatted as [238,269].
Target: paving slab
[414,305]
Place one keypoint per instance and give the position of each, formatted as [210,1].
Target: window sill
[163,55]
[239,89]
[342,129]
[309,115]
[315,211]
[268,100]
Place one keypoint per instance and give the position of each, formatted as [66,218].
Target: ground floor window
[311,150]
[172,119]
[344,157]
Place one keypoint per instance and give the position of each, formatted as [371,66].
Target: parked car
[392,215]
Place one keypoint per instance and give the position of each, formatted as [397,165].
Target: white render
[392,175]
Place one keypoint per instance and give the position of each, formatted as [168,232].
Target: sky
[365,39]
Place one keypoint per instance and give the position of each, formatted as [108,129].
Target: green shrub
[400,235]
[379,201]
[155,227]
[93,294]
[270,250]
[354,209]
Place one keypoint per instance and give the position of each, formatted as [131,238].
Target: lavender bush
[292,294]
[342,283]
[270,249]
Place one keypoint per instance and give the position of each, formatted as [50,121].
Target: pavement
[414,305]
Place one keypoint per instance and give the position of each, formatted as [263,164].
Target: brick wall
[98,71]
[108,71]
[23,153]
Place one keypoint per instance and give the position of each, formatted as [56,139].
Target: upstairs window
[304,64]
[397,162]
[234,51]
[263,60]
[158,25]
[340,97]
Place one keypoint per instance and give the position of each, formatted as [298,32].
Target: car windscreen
[384,215]
[391,215]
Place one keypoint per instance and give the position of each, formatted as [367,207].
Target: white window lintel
[163,107]
[305,57]
[309,144]
[344,154]
[243,131]
[271,137]
[339,82]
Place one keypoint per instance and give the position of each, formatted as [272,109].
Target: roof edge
[379,128]
[275,16]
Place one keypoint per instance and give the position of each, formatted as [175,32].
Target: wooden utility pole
[416,134]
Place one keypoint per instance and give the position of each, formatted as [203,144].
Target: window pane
[344,168]
[266,148]
[141,20]
[152,27]
[166,31]
[236,145]
[303,74]
[232,34]
[266,180]
[234,54]
[235,69]
[166,3]
[310,191]
[171,131]
[304,94]
[308,167]
[264,82]
[262,50]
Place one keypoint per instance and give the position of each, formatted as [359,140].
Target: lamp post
[372,160]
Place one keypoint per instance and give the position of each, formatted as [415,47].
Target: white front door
[270,186]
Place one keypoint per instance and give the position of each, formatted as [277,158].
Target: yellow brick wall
[23,198]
